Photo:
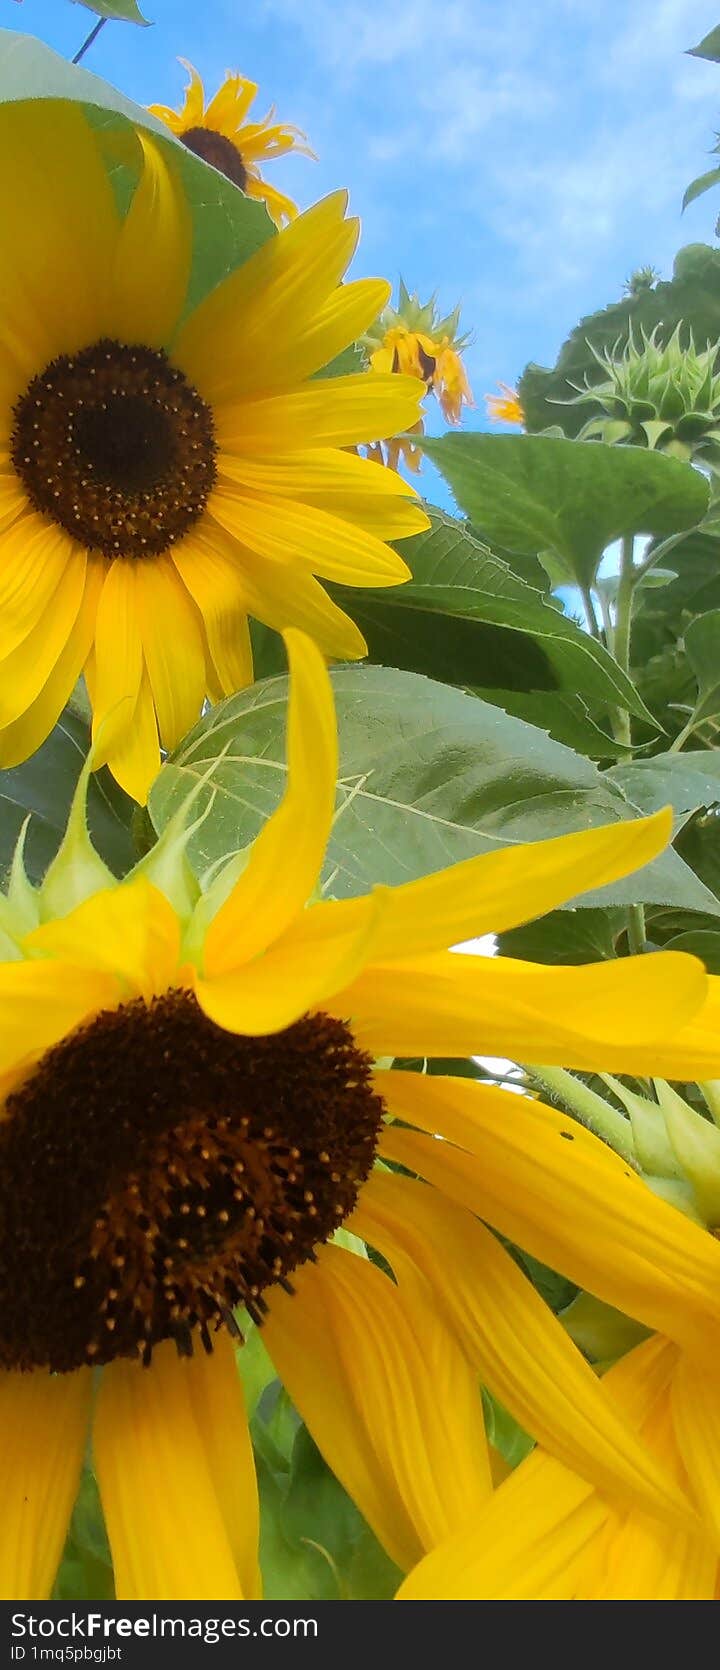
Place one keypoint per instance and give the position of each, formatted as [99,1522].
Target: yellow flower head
[221,134]
[412,341]
[190,1109]
[166,475]
[505,407]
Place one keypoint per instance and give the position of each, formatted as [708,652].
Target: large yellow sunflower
[221,133]
[191,1109]
[162,480]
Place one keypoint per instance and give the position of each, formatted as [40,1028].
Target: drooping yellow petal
[270,296]
[696,1415]
[314,539]
[533,1539]
[519,1348]
[216,1394]
[529,1542]
[25,734]
[118,657]
[164,1513]
[332,411]
[130,931]
[297,973]
[152,261]
[387,1396]
[285,860]
[618,1016]
[559,1192]
[25,672]
[172,647]
[134,754]
[499,890]
[41,1001]
[284,597]
[59,218]
[34,557]
[43,1429]
[207,562]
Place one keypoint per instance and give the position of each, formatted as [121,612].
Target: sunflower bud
[666,397]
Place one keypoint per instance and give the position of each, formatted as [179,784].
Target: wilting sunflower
[162,480]
[222,134]
[412,341]
[505,407]
[546,1534]
[191,1110]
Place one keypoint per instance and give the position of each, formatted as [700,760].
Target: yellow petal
[216,1394]
[172,647]
[559,1192]
[25,672]
[284,361]
[298,973]
[152,261]
[163,1510]
[40,1002]
[43,1429]
[133,756]
[387,1396]
[529,1543]
[696,1413]
[118,657]
[130,931]
[333,411]
[511,1337]
[207,562]
[268,298]
[322,543]
[285,860]
[324,473]
[615,1016]
[25,734]
[284,597]
[499,890]
[59,226]
[34,558]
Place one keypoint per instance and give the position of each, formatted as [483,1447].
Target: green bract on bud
[421,318]
[666,397]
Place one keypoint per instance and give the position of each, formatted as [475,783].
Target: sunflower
[191,1110]
[412,341]
[221,134]
[162,480]
[505,407]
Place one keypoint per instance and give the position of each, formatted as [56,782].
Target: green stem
[589,608]
[683,735]
[591,1109]
[636,933]
[660,551]
[88,41]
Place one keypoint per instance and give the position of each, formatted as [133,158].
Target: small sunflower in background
[411,340]
[222,134]
[505,407]
[191,1108]
[162,481]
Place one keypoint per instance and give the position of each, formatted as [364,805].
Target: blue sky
[522,158]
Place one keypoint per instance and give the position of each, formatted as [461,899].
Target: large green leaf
[708,47]
[44,786]
[428,775]
[690,298]
[686,782]
[536,493]
[494,627]
[563,716]
[229,227]
[120,11]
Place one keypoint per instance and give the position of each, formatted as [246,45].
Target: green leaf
[700,942]
[504,1431]
[229,226]
[494,626]
[691,298]
[684,781]
[532,493]
[565,936]
[702,643]
[120,11]
[44,786]
[564,717]
[428,775]
[702,184]
[85,1571]
[708,47]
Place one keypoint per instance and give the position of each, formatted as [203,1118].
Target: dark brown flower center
[216,149]
[156,1171]
[117,446]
